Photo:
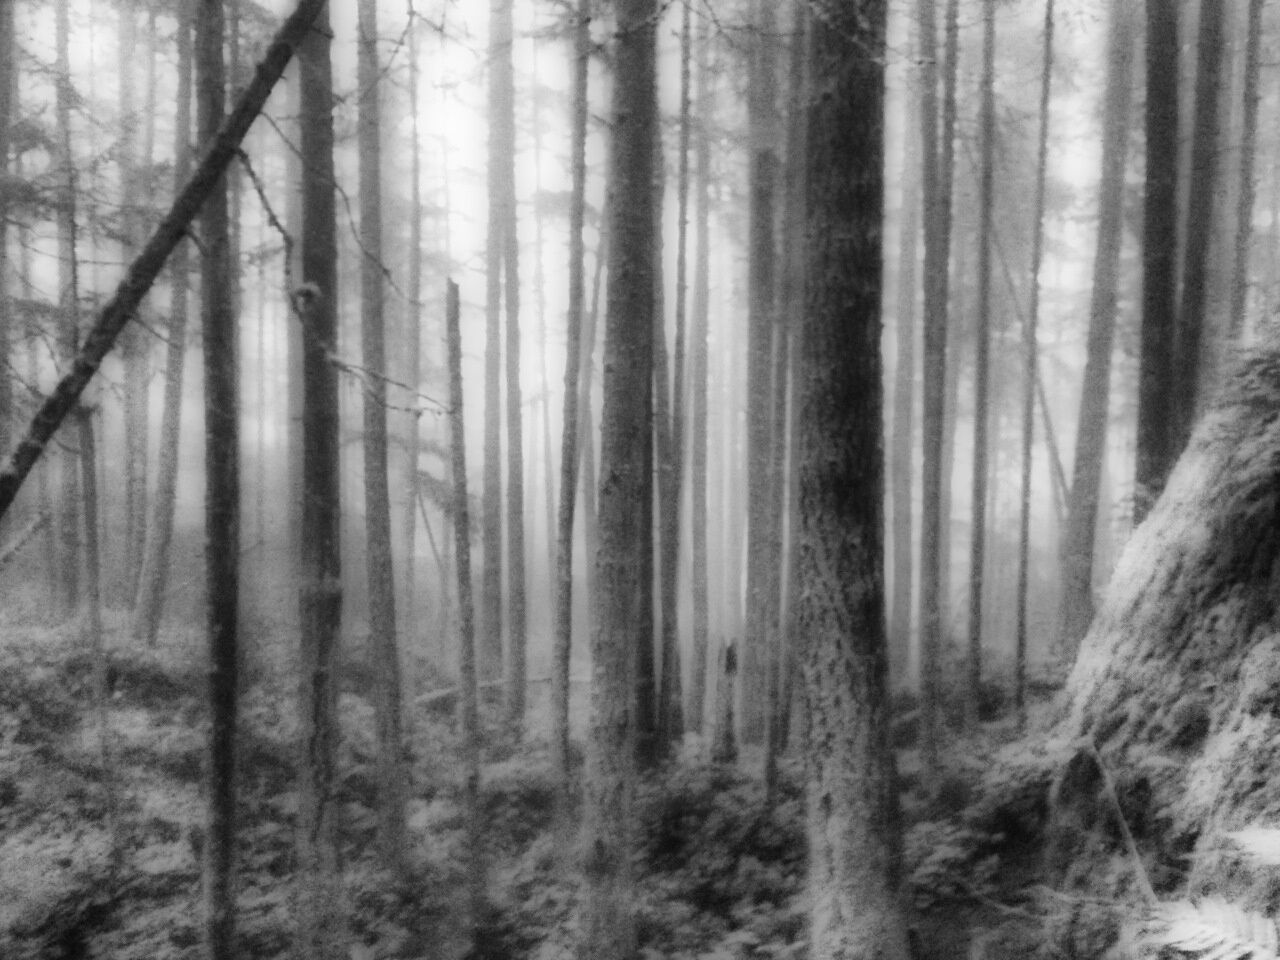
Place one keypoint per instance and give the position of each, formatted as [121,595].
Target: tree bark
[1076,610]
[8,105]
[562,652]
[855,844]
[320,911]
[608,931]
[148,264]
[469,703]
[1248,188]
[1029,375]
[383,646]
[154,577]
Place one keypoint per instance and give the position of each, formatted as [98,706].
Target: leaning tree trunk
[1177,683]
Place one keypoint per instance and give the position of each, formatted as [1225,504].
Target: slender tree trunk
[135,340]
[589,478]
[69,321]
[1076,610]
[392,785]
[540,305]
[671,433]
[491,587]
[760,319]
[982,366]
[724,737]
[1029,376]
[700,606]
[855,843]
[1248,188]
[1157,448]
[608,931]
[155,565]
[562,653]
[8,98]
[321,921]
[468,680]
[222,501]
[413,331]
[1199,222]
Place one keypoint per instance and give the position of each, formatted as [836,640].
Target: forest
[635,479]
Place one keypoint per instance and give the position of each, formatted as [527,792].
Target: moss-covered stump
[1177,683]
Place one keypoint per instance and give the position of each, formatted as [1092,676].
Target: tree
[392,786]
[320,916]
[1156,445]
[853,822]
[700,607]
[501,90]
[608,932]
[761,108]
[155,563]
[1076,608]
[1199,221]
[1248,138]
[222,499]
[573,363]
[8,110]
[1029,370]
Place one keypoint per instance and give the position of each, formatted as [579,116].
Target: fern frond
[1212,929]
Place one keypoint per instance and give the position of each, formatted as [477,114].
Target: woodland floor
[718,877]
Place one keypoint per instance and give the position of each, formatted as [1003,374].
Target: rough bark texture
[561,654]
[853,822]
[1176,682]
[1157,448]
[1076,608]
[383,646]
[1199,222]
[608,931]
[222,500]
[321,920]
[154,576]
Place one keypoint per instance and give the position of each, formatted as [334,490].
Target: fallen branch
[21,540]
[146,267]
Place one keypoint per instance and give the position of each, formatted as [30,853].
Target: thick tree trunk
[608,930]
[855,844]
[1076,609]
[383,647]
[1176,682]
[155,564]
[320,912]
[1157,448]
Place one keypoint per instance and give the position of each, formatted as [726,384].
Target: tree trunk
[469,702]
[761,110]
[981,368]
[500,107]
[1076,608]
[504,145]
[392,780]
[1157,448]
[608,931]
[671,434]
[1176,680]
[1199,222]
[724,736]
[69,321]
[321,920]
[154,577]
[222,500]
[855,844]
[1029,375]
[8,97]
[1248,148]
[700,606]
[562,652]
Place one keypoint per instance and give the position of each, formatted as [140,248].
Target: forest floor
[101,859]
